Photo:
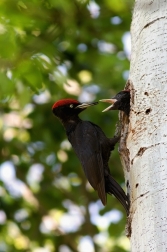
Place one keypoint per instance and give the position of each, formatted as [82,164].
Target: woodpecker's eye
[71,105]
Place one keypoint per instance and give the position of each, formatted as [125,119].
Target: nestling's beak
[112,101]
[86,105]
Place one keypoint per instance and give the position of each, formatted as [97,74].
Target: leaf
[6,86]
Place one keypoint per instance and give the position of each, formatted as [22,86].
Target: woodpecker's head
[69,108]
[120,101]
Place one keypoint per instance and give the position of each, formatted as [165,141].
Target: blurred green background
[51,50]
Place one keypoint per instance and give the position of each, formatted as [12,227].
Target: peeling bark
[143,146]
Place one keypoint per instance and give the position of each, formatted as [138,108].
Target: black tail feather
[112,187]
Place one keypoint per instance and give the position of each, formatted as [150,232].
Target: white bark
[146,140]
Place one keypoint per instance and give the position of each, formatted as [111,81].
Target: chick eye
[71,105]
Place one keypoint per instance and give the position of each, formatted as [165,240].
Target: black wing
[86,144]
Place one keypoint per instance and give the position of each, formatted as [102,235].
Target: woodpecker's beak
[86,105]
[112,101]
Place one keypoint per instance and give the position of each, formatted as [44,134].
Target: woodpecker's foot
[114,140]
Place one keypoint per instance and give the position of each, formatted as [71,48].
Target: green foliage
[51,50]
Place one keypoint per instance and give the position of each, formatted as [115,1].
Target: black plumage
[121,101]
[92,148]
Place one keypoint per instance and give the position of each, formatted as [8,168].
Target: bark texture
[143,147]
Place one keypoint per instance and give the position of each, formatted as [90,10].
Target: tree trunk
[144,143]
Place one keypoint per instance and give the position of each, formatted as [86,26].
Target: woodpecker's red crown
[64,102]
